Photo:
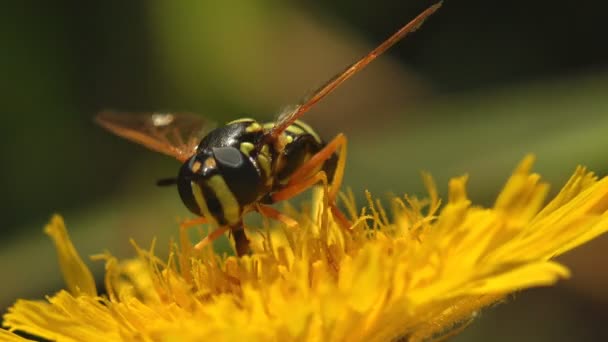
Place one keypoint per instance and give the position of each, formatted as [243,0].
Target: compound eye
[228,157]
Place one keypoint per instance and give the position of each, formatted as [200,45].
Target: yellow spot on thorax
[253,127]
[246,148]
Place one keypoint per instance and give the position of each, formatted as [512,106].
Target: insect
[245,165]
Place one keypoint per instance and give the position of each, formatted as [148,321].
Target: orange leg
[184,241]
[187,224]
[339,142]
[338,215]
[211,237]
[183,230]
[241,241]
[272,213]
[300,180]
[294,189]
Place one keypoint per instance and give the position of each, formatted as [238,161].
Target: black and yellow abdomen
[232,169]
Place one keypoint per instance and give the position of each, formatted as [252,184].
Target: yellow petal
[64,318]
[8,336]
[77,275]
[422,274]
[518,277]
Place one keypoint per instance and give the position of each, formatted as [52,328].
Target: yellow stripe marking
[308,130]
[265,149]
[230,206]
[264,164]
[241,120]
[295,130]
[298,127]
[202,204]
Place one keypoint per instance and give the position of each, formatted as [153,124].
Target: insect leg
[184,241]
[185,226]
[338,143]
[294,188]
[241,242]
[211,237]
[338,215]
[274,214]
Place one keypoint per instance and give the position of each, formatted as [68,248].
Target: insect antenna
[166,181]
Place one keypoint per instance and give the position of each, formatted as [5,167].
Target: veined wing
[173,134]
[291,114]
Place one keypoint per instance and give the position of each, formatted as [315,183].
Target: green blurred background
[479,86]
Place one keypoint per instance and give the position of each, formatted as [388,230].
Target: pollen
[421,273]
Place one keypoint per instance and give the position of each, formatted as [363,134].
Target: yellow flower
[422,274]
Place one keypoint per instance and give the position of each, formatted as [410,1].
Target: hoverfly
[245,165]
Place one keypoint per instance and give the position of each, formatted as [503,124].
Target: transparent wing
[174,134]
[291,114]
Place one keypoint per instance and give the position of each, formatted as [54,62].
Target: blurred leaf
[255,58]
[485,134]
